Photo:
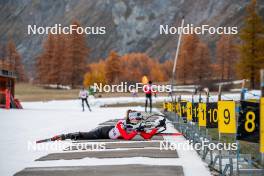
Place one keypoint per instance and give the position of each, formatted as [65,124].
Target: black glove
[140,128]
[129,126]
[162,123]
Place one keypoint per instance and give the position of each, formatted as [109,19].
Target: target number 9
[226,117]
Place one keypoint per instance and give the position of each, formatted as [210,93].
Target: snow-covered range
[44,119]
[97,102]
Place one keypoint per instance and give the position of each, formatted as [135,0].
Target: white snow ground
[40,120]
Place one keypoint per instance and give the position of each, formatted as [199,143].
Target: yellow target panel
[226,117]
[202,114]
[189,111]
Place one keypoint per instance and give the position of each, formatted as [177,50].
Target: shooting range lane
[144,152]
[117,170]
[138,147]
[129,149]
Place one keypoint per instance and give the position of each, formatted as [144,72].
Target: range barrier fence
[232,121]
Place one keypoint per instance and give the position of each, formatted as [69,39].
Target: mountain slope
[131,26]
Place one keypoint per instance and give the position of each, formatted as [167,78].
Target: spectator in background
[83,95]
[134,93]
[149,90]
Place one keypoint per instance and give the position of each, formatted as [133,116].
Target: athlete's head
[134,117]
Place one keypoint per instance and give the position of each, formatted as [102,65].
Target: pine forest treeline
[63,60]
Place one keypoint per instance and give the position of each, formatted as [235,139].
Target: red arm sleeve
[124,134]
[144,89]
[148,135]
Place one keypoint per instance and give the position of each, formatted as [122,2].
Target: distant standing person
[83,95]
[148,89]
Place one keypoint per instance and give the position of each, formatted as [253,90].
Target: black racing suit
[86,101]
[97,133]
[148,97]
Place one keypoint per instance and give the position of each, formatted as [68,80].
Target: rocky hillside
[130,25]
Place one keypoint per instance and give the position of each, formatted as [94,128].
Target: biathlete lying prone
[133,124]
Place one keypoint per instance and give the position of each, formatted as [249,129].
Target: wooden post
[176,58]
[200,97]
[207,94]
[262,82]
[177,50]
[243,90]
[179,99]
[219,92]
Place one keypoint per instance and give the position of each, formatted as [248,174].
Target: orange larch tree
[202,64]
[13,58]
[167,67]
[95,74]
[227,55]
[113,68]
[45,60]
[77,53]
[136,65]
[185,61]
